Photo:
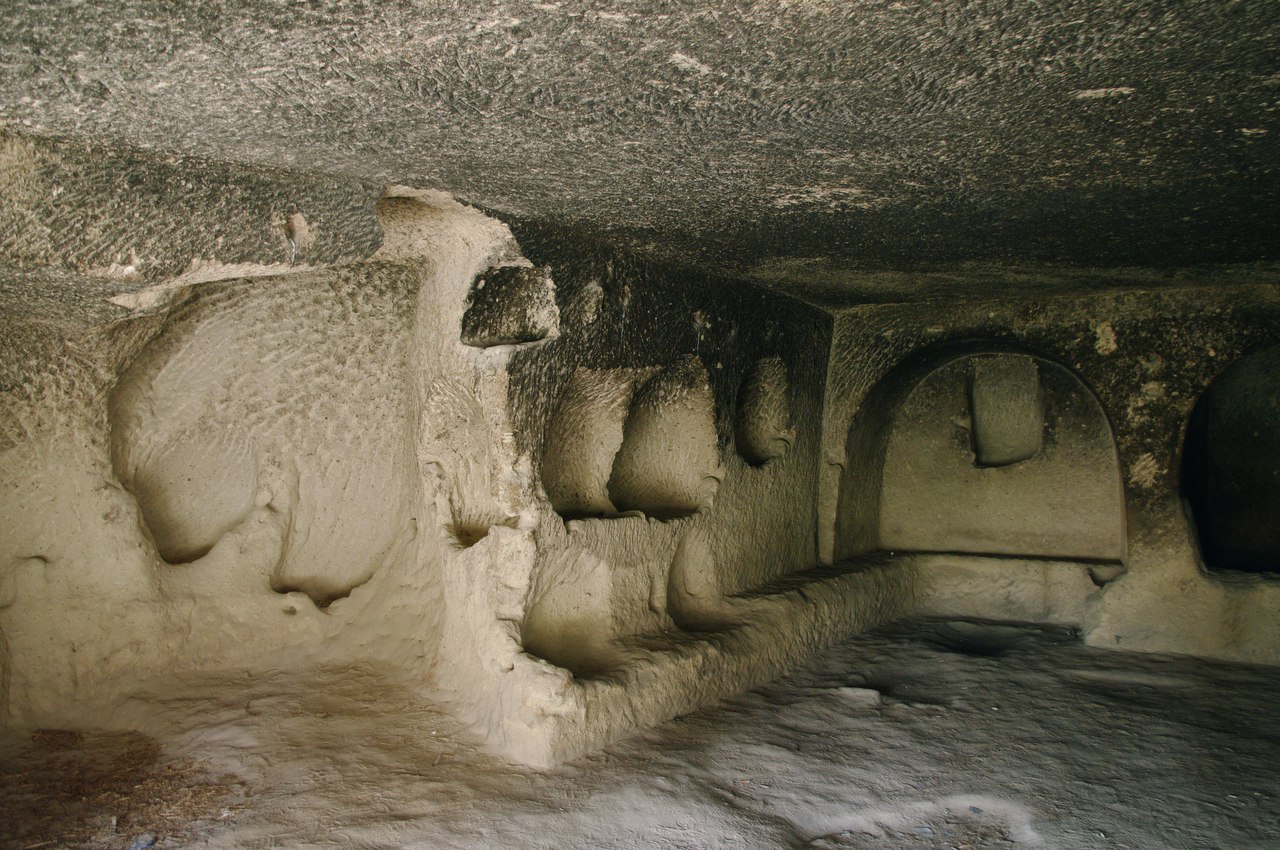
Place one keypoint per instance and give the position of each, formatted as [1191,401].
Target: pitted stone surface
[887,133]
[511,305]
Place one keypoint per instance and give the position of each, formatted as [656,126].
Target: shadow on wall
[982,450]
[1231,467]
[639,440]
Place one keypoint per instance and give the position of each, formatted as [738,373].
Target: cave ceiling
[783,140]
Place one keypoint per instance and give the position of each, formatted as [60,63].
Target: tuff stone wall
[1147,355]
[561,491]
[508,475]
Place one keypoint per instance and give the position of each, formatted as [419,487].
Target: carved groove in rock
[763,429]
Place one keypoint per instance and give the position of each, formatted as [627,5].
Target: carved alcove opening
[1231,467]
[985,453]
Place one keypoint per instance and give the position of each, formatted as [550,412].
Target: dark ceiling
[743,135]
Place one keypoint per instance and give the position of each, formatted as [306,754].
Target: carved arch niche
[985,452]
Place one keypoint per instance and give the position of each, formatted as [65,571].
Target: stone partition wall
[1146,357]
[561,494]
[251,473]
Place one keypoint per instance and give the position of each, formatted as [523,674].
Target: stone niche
[1001,454]
[1103,461]
[1231,467]
[640,440]
[993,476]
[674,429]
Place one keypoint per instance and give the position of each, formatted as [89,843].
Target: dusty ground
[929,735]
[62,788]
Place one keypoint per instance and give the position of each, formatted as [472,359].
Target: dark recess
[1231,467]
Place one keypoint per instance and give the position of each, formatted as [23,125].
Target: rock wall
[563,492]
[557,491]
[235,478]
[1147,356]
[650,420]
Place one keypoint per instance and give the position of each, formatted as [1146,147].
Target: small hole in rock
[467,536]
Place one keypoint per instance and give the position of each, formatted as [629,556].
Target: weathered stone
[511,305]
[1007,409]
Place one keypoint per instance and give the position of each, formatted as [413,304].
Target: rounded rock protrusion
[763,429]
[668,465]
[511,305]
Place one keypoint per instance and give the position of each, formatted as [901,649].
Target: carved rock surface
[511,305]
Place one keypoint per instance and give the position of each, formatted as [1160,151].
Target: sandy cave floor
[930,734]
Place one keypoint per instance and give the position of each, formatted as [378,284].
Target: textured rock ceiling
[758,135]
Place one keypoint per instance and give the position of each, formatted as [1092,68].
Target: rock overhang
[884,135]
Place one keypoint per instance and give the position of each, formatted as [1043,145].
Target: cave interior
[565,368]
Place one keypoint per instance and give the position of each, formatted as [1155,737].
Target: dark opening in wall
[1231,467]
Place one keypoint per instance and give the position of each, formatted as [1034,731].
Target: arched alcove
[983,451]
[1231,467]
